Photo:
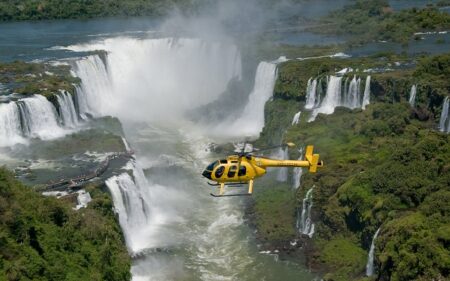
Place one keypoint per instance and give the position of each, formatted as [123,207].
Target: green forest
[63,9]
[367,21]
[42,238]
[385,167]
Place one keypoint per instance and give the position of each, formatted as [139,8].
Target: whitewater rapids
[173,229]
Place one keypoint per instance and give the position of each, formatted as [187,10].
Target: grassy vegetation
[271,207]
[343,257]
[369,20]
[382,166]
[37,78]
[44,239]
[385,166]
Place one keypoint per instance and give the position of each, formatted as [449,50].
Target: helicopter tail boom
[312,161]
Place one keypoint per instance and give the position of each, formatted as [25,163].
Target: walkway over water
[83,178]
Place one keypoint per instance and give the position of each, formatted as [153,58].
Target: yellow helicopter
[244,168]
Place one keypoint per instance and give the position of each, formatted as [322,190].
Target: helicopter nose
[206,174]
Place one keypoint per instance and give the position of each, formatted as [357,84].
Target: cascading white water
[311,90]
[297,173]
[366,97]
[332,98]
[67,109]
[282,174]
[305,225]
[444,116]
[159,79]
[10,129]
[296,118]
[412,95]
[39,117]
[251,122]
[349,96]
[153,82]
[352,100]
[132,203]
[94,92]
[370,269]
[346,88]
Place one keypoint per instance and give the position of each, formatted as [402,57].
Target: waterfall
[305,225]
[67,109]
[412,95]
[35,117]
[95,89]
[348,95]
[370,270]
[282,174]
[345,93]
[332,98]
[39,118]
[319,91]
[131,196]
[311,93]
[10,129]
[297,173]
[366,97]
[251,122]
[353,96]
[444,117]
[159,79]
[296,118]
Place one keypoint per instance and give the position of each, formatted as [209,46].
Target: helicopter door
[219,172]
[232,171]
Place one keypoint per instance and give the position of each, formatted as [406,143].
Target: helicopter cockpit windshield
[207,173]
[212,166]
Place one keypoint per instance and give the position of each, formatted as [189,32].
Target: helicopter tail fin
[313,159]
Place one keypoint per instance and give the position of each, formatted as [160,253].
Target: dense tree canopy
[44,239]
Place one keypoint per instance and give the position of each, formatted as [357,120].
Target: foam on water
[332,97]
[282,173]
[311,93]
[10,129]
[412,95]
[251,122]
[305,224]
[159,79]
[366,97]
[296,118]
[370,268]
[348,95]
[40,119]
[297,173]
[67,110]
[444,121]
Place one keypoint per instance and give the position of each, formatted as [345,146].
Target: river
[152,80]
[173,228]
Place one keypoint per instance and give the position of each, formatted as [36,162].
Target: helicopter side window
[219,172]
[223,161]
[242,171]
[232,171]
[212,166]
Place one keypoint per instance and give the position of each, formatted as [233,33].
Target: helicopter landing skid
[228,184]
[230,195]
